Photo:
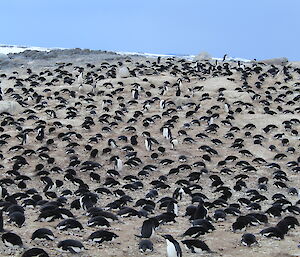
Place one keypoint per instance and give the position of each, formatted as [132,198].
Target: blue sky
[241,28]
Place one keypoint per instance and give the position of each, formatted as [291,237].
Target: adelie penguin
[273,232]
[167,132]
[118,164]
[69,224]
[73,246]
[173,247]
[1,222]
[148,144]
[148,228]
[12,240]
[248,239]
[42,234]
[35,252]
[196,246]
[145,246]
[101,236]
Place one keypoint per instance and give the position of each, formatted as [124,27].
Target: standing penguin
[148,144]
[118,164]
[179,82]
[173,247]
[173,207]
[174,143]
[226,107]
[1,221]
[135,93]
[80,79]
[162,104]
[167,132]
[200,212]
[178,91]
[158,59]
[24,138]
[148,228]
[41,134]
[112,143]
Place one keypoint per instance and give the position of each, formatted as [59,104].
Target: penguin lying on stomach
[12,240]
[196,246]
[145,246]
[73,246]
[35,252]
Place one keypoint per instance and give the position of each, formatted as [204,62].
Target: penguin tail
[139,236]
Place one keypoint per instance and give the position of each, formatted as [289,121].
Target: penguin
[24,137]
[133,140]
[135,94]
[158,59]
[41,134]
[94,153]
[88,200]
[162,104]
[195,231]
[71,245]
[35,252]
[43,233]
[12,240]
[148,144]
[98,221]
[50,215]
[118,164]
[209,227]
[167,132]
[80,78]
[145,245]
[227,107]
[172,207]
[69,224]
[101,236]
[173,247]
[112,143]
[291,221]
[1,222]
[248,239]
[274,232]
[148,228]
[174,142]
[196,246]
[200,212]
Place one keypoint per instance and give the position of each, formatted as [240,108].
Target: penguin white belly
[147,144]
[198,250]
[119,165]
[171,250]
[165,132]
[176,209]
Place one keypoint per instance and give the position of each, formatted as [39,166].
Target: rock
[276,61]
[3,57]
[203,56]
[123,72]
[11,107]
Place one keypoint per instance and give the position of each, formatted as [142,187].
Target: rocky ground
[203,94]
